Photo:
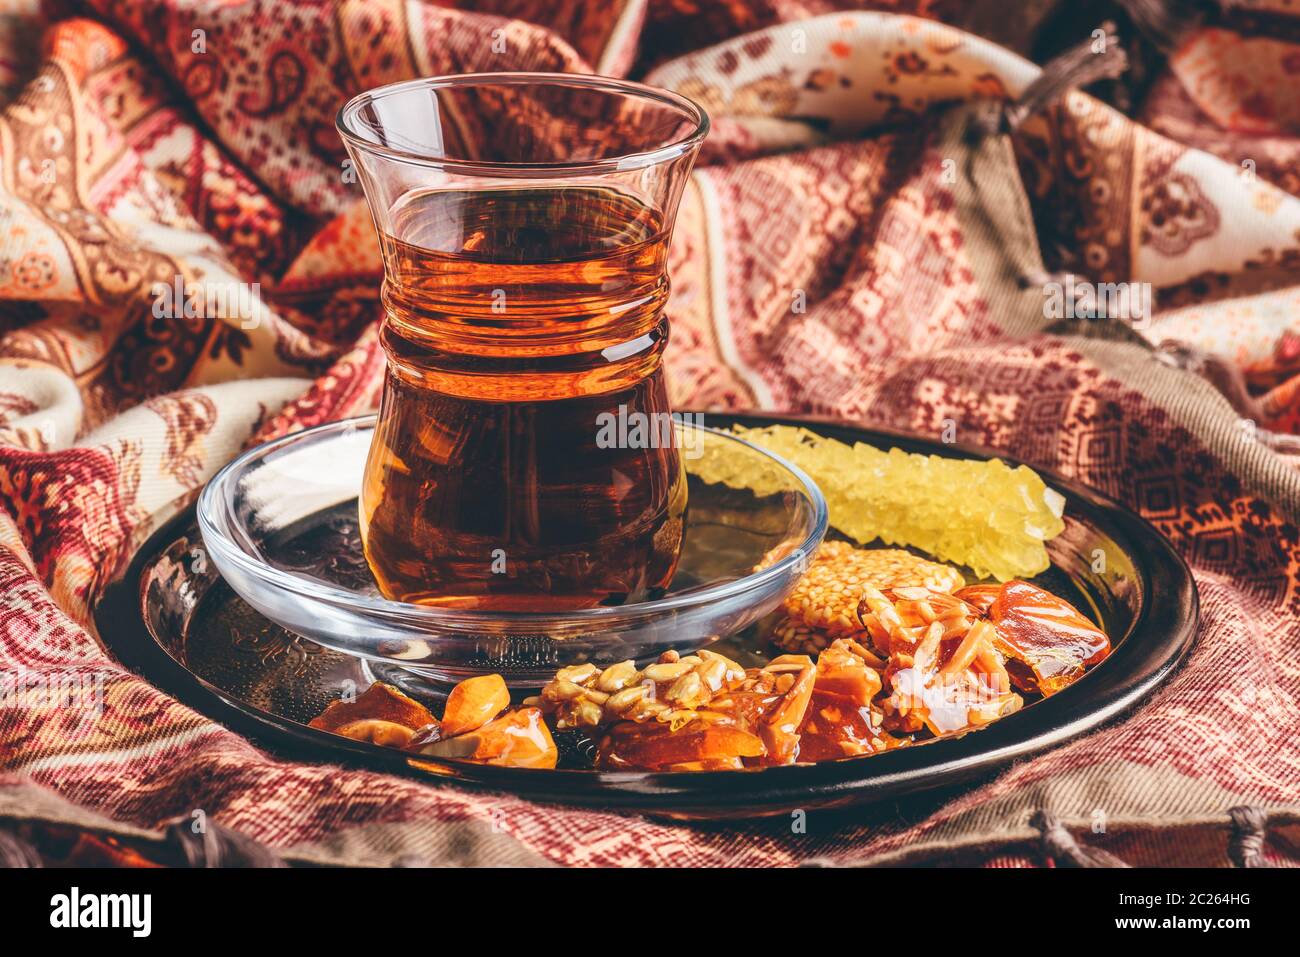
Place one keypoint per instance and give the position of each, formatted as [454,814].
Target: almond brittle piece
[948,690]
[379,702]
[841,719]
[895,619]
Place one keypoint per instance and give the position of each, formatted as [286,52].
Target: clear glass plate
[280,524]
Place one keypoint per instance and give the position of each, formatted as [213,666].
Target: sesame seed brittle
[827,597]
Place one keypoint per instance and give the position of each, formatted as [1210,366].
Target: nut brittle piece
[1047,643]
[771,701]
[948,687]
[827,596]
[752,721]
[850,670]
[379,702]
[671,690]
[517,739]
[897,618]
[836,727]
[841,719]
[703,745]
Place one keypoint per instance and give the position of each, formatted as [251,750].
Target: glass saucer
[280,524]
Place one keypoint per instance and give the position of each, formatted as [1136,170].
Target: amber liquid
[523,326]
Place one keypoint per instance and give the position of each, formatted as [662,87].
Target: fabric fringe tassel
[17,851]
[1249,831]
[1078,66]
[1167,23]
[1060,846]
[218,846]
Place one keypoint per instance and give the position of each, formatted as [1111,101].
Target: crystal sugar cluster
[985,515]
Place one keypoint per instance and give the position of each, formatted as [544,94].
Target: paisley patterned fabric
[844,248]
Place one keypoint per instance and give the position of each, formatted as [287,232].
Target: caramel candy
[1048,644]
[473,703]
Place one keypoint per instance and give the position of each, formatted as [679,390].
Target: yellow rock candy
[985,515]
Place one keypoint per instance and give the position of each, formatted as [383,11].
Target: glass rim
[343,122]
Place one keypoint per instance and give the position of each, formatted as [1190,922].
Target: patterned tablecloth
[178,141]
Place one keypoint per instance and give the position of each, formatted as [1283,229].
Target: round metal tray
[173,619]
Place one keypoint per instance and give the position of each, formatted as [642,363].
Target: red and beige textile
[185,142]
